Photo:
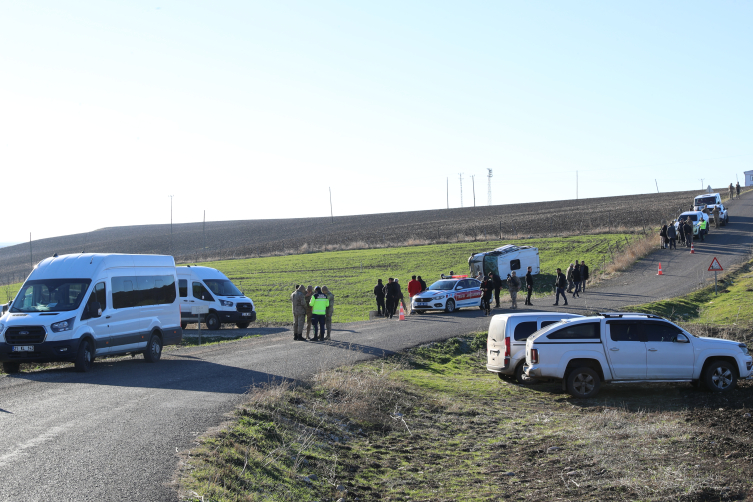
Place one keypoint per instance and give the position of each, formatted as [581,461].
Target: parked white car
[709,201]
[632,347]
[696,217]
[448,295]
[506,341]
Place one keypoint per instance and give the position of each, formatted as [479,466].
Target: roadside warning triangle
[715,266]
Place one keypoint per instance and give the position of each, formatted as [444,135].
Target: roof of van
[201,272]
[707,195]
[88,264]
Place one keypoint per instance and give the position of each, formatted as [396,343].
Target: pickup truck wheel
[583,382]
[720,376]
[450,306]
[521,377]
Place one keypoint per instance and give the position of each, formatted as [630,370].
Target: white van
[505,260]
[82,306]
[506,341]
[211,288]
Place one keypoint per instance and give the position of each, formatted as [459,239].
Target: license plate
[246,314]
[23,348]
[422,305]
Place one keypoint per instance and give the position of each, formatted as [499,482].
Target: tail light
[534,356]
[507,347]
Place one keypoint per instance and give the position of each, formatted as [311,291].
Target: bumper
[226,316]
[533,371]
[63,350]
[505,370]
[432,305]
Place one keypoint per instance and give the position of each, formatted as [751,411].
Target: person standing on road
[583,275]
[702,228]
[487,288]
[737,189]
[663,237]
[318,303]
[423,283]
[716,216]
[559,285]
[329,312]
[309,295]
[576,279]
[379,293]
[497,281]
[390,294]
[688,232]
[529,286]
[681,230]
[298,298]
[731,192]
[569,278]
[414,288]
[400,297]
[672,235]
[513,286]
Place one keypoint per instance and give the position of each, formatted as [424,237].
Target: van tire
[85,357]
[153,350]
[720,376]
[184,325]
[521,377]
[242,325]
[212,322]
[449,307]
[583,382]
[11,368]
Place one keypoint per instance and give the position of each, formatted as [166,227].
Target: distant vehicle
[696,217]
[211,288]
[707,203]
[505,260]
[78,307]
[506,341]
[632,347]
[448,295]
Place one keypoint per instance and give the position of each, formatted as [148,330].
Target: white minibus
[205,286]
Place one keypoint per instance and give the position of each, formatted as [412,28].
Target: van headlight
[66,325]
[226,303]
[742,346]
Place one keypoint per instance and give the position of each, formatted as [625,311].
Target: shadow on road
[357,347]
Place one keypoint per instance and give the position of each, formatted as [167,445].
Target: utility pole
[702,183]
[331,214]
[473,182]
[204,230]
[489,187]
[657,185]
[576,185]
[448,192]
[171,215]
[31,260]
[461,189]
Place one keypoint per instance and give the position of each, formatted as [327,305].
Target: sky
[256,109]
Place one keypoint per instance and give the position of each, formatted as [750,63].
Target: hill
[192,242]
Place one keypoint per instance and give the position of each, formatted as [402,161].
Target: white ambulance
[81,306]
[204,286]
[505,260]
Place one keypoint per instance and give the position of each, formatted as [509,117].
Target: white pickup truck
[632,347]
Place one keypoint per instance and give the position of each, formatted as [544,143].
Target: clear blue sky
[253,109]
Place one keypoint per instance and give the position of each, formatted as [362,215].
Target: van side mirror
[95,309]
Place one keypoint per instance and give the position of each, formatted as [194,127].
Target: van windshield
[443,285]
[699,201]
[51,295]
[222,287]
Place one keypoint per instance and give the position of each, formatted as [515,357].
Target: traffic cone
[402,313]
[692,248]
[660,272]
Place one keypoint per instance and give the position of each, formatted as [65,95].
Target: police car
[449,294]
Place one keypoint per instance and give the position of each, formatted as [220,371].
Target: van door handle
[494,351]
[652,350]
[614,349]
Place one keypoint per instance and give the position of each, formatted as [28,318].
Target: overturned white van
[504,260]
[78,307]
[205,286]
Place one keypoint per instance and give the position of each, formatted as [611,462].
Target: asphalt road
[113,433]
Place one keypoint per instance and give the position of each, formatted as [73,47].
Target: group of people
[492,284]
[312,306]
[682,231]
[734,189]
[390,296]
[573,282]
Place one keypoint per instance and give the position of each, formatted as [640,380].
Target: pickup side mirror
[680,338]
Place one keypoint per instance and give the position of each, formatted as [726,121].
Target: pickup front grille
[24,335]
[243,307]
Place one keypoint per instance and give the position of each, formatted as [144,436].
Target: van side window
[514,264]
[150,290]
[524,330]
[101,295]
[576,331]
[201,293]
[544,324]
[183,288]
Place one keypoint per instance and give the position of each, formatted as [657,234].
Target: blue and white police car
[449,294]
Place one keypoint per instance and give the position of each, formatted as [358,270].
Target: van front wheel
[212,322]
[153,350]
[11,368]
[85,357]
[242,325]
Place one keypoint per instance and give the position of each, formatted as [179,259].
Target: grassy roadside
[432,424]
[732,304]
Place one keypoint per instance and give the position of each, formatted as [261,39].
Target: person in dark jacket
[576,279]
[423,283]
[379,293]
[672,236]
[487,288]
[497,282]
[681,230]
[560,283]
[663,237]
[737,189]
[391,297]
[529,286]
[583,275]
[688,232]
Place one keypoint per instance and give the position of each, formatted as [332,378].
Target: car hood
[705,341]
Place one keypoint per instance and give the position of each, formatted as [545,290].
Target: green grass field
[731,306]
[352,275]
